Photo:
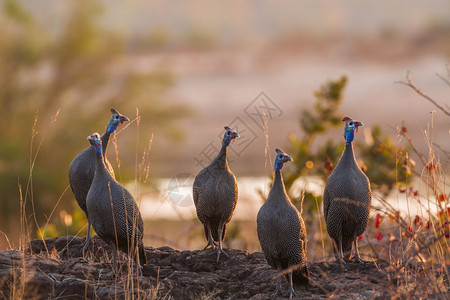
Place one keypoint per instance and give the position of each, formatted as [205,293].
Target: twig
[443,79]
[413,147]
[447,153]
[427,245]
[418,91]
[7,240]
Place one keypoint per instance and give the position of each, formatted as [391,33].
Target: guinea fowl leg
[337,246]
[357,258]
[88,238]
[291,286]
[346,253]
[114,258]
[210,238]
[219,248]
[278,288]
[137,261]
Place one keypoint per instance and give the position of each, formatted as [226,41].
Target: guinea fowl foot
[210,245]
[220,250]
[359,260]
[277,293]
[86,245]
[291,293]
[277,290]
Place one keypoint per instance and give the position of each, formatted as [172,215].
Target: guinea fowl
[82,167]
[282,232]
[113,212]
[346,199]
[215,195]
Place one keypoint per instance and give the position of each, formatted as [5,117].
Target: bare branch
[447,153]
[413,147]
[443,79]
[418,91]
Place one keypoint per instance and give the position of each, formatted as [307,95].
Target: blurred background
[282,73]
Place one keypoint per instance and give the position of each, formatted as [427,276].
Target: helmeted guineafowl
[346,199]
[281,230]
[112,210]
[82,167]
[215,194]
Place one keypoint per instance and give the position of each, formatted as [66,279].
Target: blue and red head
[116,120]
[96,142]
[229,135]
[281,159]
[351,126]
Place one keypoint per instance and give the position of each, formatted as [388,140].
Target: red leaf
[379,236]
[328,166]
[378,219]
[418,221]
[430,166]
[409,232]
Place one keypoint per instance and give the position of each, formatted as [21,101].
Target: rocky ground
[57,269]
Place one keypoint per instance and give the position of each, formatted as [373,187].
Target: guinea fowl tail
[301,276]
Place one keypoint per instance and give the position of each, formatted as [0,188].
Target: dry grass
[411,251]
[125,282]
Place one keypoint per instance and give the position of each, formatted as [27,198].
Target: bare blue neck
[348,157]
[105,140]
[221,159]
[278,183]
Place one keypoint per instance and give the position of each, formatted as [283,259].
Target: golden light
[65,217]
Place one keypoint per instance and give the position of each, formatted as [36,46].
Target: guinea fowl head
[281,159]
[96,142]
[351,126]
[229,135]
[116,120]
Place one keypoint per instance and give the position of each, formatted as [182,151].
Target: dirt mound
[56,268]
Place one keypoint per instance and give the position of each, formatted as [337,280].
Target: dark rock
[56,268]
[74,288]
[330,286]
[39,285]
[203,267]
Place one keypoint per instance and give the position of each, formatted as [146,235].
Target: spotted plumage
[281,230]
[215,195]
[346,200]
[82,167]
[113,211]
